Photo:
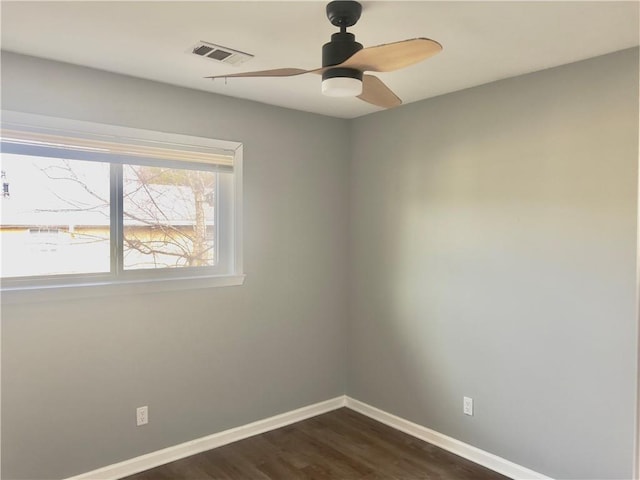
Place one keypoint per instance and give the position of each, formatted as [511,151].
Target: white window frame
[151,280]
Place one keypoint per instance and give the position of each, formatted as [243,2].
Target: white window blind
[112,149]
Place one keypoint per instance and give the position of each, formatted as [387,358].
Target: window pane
[55,216]
[169,217]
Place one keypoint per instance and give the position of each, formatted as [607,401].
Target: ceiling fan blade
[392,56]
[374,91]
[278,72]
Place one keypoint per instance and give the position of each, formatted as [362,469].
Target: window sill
[16,295]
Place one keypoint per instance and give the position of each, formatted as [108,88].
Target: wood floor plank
[373,441]
[339,445]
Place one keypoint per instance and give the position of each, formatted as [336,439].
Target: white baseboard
[170,454]
[486,459]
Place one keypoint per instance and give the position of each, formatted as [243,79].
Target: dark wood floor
[337,445]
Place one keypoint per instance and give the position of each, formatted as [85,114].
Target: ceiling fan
[344,60]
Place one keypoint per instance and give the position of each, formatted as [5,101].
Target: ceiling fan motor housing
[344,13]
[342,46]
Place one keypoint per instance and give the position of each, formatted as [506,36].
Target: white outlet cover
[142,415]
[467,405]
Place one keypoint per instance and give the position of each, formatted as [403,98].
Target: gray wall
[493,251]
[204,360]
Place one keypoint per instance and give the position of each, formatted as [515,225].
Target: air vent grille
[202,50]
[220,53]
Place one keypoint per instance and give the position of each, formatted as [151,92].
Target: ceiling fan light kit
[342,86]
[345,61]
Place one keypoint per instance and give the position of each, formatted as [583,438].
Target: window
[96,204]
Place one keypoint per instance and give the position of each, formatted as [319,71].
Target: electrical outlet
[467,405]
[142,415]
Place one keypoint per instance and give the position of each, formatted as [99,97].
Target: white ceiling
[483,41]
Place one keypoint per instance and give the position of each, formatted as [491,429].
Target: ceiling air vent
[220,53]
